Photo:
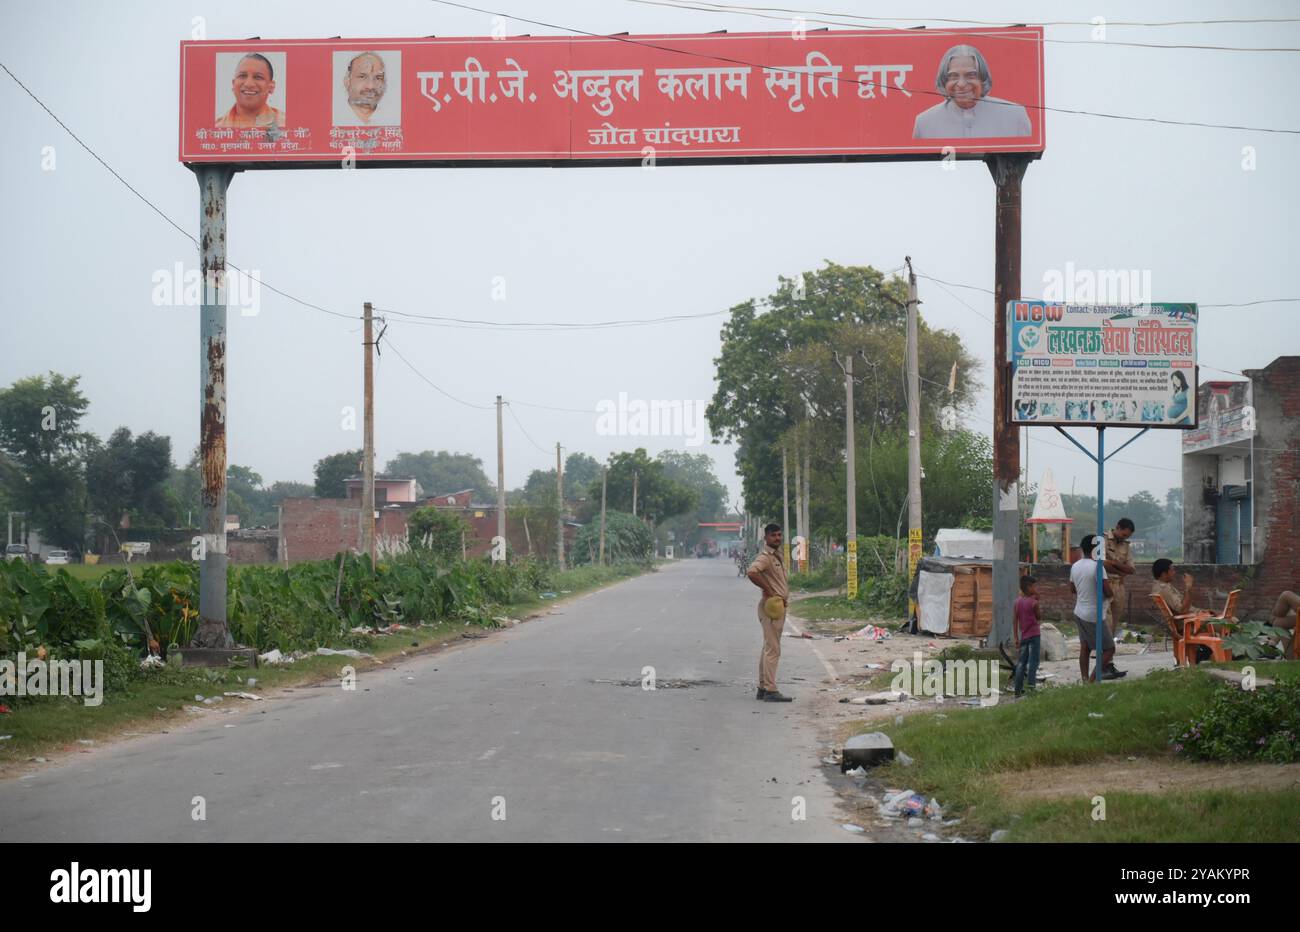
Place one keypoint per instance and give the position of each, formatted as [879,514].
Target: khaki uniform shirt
[768,565]
[1118,551]
[1173,598]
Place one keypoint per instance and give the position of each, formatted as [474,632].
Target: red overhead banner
[757,96]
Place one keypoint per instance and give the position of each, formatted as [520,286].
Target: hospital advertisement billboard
[1078,365]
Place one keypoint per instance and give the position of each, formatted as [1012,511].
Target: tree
[694,470]
[580,472]
[658,496]
[437,532]
[40,432]
[626,538]
[776,370]
[333,469]
[128,475]
[440,472]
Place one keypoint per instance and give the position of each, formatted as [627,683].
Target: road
[541,732]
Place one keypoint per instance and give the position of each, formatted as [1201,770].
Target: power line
[982,22]
[524,326]
[154,207]
[851,19]
[854,81]
[427,381]
[510,407]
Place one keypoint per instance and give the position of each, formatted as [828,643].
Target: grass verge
[960,755]
[44,727]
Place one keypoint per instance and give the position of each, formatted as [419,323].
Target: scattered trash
[898,719]
[947,822]
[897,803]
[152,662]
[251,681]
[875,666]
[549,595]
[940,716]
[5,737]
[1131,757]
[38,760]
[934,811]
[881,698]
[84,741]
[830,759]
[198,698]
[194,710]
[212,700]
[855,829]
[4,709]
[802,634]
[870,633]
[1095,715]
[350,652]
[904,758]
[1000,835]
[245,696]
[930,836]
[273,658]
[858,771]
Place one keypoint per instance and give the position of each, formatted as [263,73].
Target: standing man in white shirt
[1083,583]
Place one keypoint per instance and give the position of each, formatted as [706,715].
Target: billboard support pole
[1007,171]
[1099,553]
[213,632]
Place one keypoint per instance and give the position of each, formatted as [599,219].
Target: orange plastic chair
[1187,636]
[1226,617]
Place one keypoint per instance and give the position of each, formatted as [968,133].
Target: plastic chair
[1226,617]
[1184,638]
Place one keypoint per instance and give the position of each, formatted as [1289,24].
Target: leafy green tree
[580,472]
[694,470]
[776,370]
[659,497]
[626,538]
[333,469]
[40,433]
[128,475]
[437,532]
[440,472]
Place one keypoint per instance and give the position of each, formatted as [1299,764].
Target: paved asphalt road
[533,720]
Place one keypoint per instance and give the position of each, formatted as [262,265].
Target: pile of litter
[869,633]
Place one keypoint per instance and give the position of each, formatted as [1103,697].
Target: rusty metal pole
[213,632]
[1007,171]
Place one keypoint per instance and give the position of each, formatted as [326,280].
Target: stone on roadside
[866,750]
[1053,643]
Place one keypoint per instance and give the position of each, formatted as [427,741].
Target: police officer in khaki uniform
[1119,566]
[768,573]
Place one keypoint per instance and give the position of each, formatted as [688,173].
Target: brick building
[320,528]
[1241,486]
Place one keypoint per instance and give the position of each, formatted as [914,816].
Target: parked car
[58,558]
[18,552]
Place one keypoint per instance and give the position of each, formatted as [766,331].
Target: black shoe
[1113,675]
[762,693]
[775,696]
[1116,671]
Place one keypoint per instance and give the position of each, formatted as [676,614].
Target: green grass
[86,572]
[835,608]
[41,726]
[959,756]
[1210,816]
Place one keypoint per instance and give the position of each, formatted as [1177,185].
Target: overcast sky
[80,251]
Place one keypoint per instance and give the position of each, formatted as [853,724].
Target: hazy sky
[80,251]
